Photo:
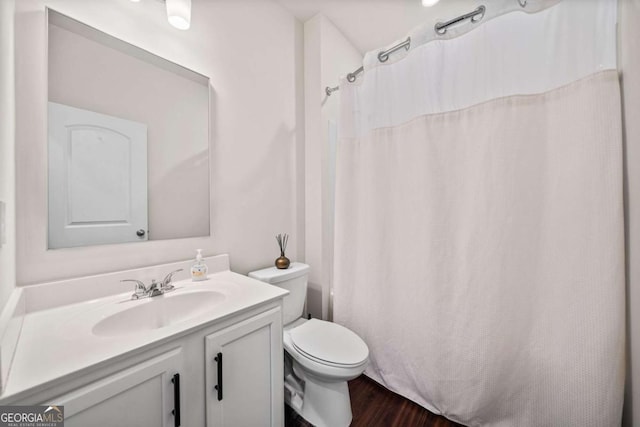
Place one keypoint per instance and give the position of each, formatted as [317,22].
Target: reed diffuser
[282,262]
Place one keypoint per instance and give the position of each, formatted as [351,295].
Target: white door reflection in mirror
[97,178]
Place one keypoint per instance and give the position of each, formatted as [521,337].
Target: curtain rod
[440,29]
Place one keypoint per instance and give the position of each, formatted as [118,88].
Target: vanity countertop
[57,343]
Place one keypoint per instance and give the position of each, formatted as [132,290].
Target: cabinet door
[244,369]
[142,395]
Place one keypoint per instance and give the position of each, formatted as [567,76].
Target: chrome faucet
[154,289]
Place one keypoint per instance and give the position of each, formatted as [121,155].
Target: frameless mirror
[128,141]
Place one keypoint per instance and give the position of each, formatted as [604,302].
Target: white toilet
[320,356]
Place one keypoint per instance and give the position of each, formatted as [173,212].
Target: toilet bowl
[320,356]
[324,356]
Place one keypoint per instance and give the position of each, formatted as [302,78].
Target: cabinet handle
[218,386]
[176,399]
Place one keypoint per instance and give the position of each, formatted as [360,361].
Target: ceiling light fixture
[429,3]
[179,13]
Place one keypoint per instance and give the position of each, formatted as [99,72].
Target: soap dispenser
[199,269]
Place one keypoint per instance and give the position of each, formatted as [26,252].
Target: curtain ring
[522,3]
[480,14]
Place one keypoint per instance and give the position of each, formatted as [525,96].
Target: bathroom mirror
[128,141]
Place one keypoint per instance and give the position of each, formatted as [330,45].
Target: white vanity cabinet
[145,394]
[244,373]
[139,389]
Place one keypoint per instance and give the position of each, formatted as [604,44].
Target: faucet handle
[166,282]
[139,291]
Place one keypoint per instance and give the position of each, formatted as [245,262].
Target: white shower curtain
[479,222]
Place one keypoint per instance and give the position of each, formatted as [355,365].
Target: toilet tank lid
[275,275]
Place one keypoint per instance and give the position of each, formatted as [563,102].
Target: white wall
[7,150]
[629,64]
[328,55]
[251,50]
[89,74]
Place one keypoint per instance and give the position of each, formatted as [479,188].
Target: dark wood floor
[375,406]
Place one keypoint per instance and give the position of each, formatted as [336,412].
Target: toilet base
[322,403]
[326,404]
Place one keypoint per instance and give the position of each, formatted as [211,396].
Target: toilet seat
[329,344]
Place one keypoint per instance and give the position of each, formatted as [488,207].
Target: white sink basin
[157,312]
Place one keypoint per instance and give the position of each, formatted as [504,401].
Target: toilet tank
[293,279]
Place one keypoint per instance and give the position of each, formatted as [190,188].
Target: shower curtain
[479,217]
